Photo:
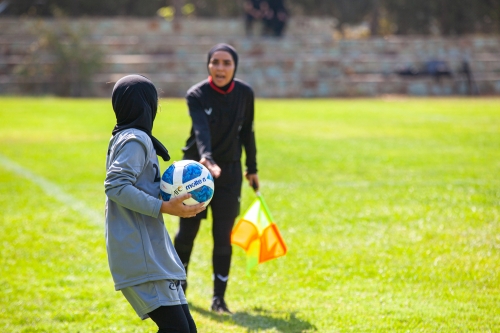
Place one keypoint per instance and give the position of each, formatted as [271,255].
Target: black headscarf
[135,102]
[229,49]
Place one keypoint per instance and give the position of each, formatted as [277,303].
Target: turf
[390,209]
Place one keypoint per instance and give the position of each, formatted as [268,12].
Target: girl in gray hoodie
[143,262]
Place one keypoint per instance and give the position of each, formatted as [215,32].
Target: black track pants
[173,319]
[225,206]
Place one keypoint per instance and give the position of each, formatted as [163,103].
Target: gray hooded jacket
[138,244]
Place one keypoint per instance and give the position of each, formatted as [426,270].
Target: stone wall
[307,62]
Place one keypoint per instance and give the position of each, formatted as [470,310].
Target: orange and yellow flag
[258,235]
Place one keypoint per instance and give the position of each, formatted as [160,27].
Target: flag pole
[261,199]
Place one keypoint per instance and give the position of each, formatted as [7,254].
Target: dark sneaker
[219,306]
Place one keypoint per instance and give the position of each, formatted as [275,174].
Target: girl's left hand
[253,180]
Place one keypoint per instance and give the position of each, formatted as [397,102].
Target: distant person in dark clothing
[267,15]
[252,14]
[472,88]
[280,17]
[274,17]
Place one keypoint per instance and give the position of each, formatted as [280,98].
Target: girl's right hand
[212,167]
[175,206]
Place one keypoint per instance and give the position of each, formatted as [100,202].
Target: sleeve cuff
[209,158]
[157,208]
[252,170]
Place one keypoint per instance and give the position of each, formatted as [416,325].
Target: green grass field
[390,209]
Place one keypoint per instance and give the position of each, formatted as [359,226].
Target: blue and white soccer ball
[187,176]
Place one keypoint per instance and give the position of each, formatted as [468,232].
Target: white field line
[54,191]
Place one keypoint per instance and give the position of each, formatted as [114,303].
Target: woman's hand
[175,207]
[212,167]
[253,180]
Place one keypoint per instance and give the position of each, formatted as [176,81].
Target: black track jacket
[222,123]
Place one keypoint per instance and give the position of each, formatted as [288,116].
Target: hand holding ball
[187,176]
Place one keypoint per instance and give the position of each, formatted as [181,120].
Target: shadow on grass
[260,319]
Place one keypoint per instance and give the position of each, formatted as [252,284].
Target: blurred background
[300,48]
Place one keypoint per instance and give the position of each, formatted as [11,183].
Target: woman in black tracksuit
[222,114]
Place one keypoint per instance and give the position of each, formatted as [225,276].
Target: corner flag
[257,234]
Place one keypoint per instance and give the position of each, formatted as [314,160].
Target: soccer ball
[187,176]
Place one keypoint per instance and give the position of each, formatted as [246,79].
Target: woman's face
[221,68]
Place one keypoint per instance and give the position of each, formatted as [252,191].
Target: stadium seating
[310,61]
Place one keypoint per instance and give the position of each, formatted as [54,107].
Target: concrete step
[299,28]
[354,86]
[358,49]
[304,65]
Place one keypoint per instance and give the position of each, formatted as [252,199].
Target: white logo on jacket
[208,111]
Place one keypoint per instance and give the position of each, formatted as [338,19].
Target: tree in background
[218,8]
[470,15]
[411,17]
[345,11]
[62,59]
[447,17]
[45,8]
